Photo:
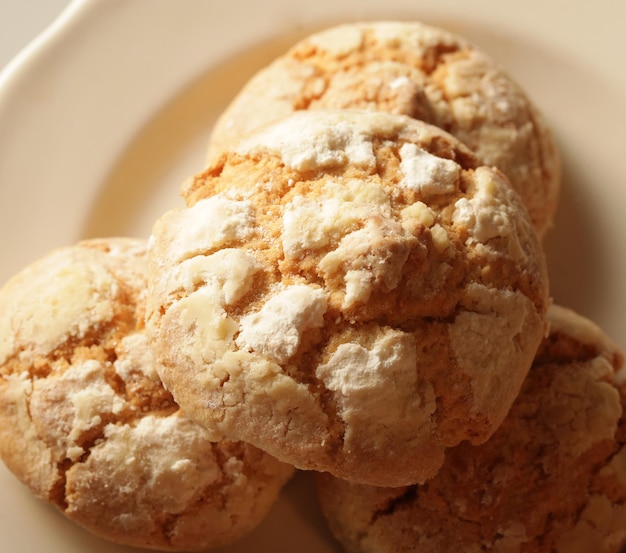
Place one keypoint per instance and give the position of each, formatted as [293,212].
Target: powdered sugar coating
[413,69]
[552,477]
[319,147]
[87,425]
[276,330]
[353,269]
[424,171]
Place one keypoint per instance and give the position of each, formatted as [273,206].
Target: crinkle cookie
[86,424]
[552,479]
[351,292]
[412,69]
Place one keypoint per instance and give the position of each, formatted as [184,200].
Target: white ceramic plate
[110,109]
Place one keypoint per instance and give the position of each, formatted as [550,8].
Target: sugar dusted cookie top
[416,70]
[552,478]
[347,291]
[86,424]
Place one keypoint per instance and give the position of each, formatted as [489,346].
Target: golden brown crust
[336,290]
[416,70]
[551,479]
[86,424]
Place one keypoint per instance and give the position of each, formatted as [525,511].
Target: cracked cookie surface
[86,424]
[551,479]
[416,70]
[348,291]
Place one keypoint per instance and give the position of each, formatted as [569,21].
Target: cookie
[551,479]
[416,70]
[348,291]
[86,424]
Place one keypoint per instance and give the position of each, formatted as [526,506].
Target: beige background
[23,20]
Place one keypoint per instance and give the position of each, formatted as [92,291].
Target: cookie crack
[169,528]
[317,87]
[562,349]
[212,495]
[407,497]
[58,491]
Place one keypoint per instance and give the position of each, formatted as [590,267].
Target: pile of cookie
[356,287]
